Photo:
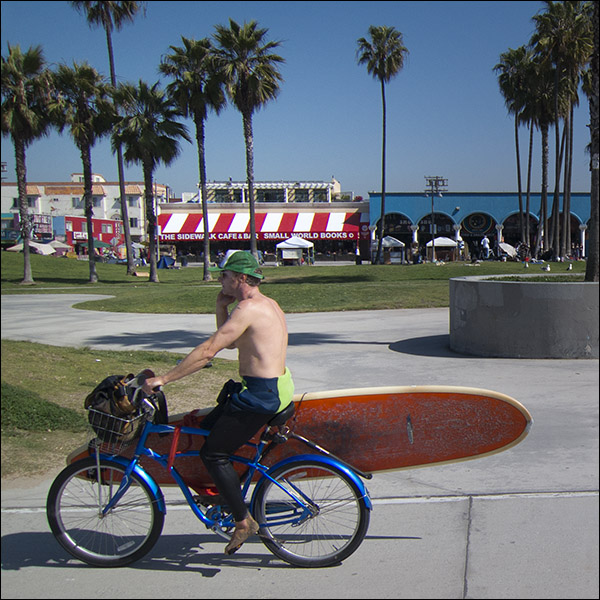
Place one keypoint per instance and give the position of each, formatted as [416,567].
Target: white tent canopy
[35,247]
[510,250]
[442,242]
[392,245]
[58,245]
[295,242]
[293,249]
[390,242]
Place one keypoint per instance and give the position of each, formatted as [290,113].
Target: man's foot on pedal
[241,534]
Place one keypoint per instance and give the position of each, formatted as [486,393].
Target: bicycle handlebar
[139,380]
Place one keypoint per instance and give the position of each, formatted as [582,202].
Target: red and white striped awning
[277,225]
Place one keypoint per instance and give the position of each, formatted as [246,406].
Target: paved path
[519,524]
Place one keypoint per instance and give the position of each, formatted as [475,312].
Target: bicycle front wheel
[312,514]
[75,514]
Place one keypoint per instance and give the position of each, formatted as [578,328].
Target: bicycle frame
[253,465]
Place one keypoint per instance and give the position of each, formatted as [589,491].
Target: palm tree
[83,104]
[25,86]
[541,112]
[564,38]
[252,79]
[150,135]
[576,61]
[197,87]
[112,15]
[533,93]
[384,55]
[513,80]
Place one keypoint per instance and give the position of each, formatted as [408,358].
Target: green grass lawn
[297,289]
[43,387]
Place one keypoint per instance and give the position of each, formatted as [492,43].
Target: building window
[301,195]
[132,201]
[107,228]
[30,203]
[97,202]
[133,222]
[270,195]
[320,196]
[77,203]
[222,196]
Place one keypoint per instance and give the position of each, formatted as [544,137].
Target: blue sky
[446,115]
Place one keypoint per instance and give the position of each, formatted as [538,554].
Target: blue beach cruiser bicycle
[108,511]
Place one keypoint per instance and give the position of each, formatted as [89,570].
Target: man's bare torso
[262,346]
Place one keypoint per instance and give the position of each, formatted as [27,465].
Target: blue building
[471,216]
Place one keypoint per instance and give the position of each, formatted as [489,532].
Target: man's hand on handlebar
[152,385]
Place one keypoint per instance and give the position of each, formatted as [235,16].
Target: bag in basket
[110,411]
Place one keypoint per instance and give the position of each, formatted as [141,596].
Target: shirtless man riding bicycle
[257,328]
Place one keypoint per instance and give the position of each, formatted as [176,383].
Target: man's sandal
[240,536]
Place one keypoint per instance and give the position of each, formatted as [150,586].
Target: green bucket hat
[239,261]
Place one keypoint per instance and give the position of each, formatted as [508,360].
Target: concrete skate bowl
[523,319]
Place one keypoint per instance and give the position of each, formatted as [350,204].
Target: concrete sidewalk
[519,524]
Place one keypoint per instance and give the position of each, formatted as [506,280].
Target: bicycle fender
[142,474]
[328,461]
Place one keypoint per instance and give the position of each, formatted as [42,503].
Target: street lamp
[435,185]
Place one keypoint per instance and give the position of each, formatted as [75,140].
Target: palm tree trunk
[543,231]
[379,260]
[565,240]
[527,201]
[249,139]
[151,220]
[555,228]
[120,170]
[554,212]
[593,247]
[200,138]
[554,241]
[519,186]
[24,217]
[86,160]
[125,213]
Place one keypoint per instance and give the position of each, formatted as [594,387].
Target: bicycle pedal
[208,499]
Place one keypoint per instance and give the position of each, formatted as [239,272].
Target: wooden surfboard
[374,429]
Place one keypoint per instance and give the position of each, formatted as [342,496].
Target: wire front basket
[114,434]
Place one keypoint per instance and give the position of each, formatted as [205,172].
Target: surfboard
[373,429]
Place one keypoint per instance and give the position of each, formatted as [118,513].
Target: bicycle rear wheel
[314,516]
[119,537]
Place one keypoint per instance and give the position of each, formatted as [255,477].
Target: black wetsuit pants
[229,429]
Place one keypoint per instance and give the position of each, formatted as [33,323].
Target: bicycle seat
[281,417]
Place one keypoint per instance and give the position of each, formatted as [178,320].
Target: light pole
[435,185]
